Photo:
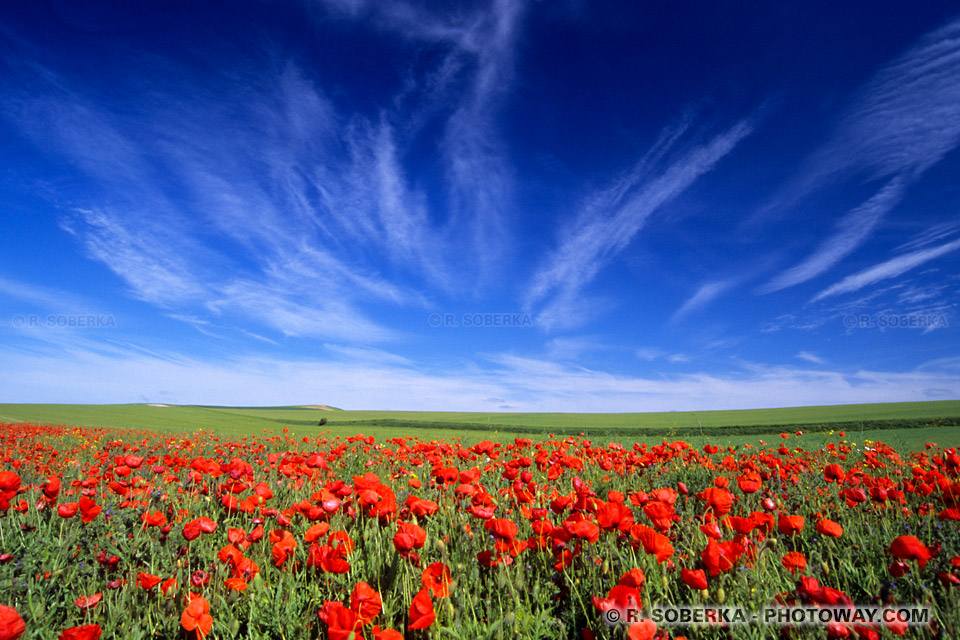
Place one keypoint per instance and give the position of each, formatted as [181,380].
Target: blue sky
[654,206]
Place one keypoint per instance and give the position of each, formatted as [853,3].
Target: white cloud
[889,269]
[703,296]
[901,123]
[127,375]
[611,218]
[849,233]
[809,357]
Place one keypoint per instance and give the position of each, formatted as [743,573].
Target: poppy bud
[721,595]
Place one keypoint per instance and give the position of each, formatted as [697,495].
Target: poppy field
[131,534]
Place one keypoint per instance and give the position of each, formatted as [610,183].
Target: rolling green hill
[911,422]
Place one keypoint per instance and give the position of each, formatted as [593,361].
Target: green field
[906,424]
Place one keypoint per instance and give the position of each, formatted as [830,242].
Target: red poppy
[386,634]
[749,482]
[147,581]
[68,509]
[327,558]
[436,579]
[790,525]
[86,632]
[501,528]
[88,602]
[366,602]
[421,612]
[230,555]
[794,561]
[155,519]
[910,548]
[196,617]
[719,557]
[586,529]
[719,500]
[316,532]
[694,578]
[661,514]
[206,525]
[633,578]
[89,509]
[614,515]
[653,542]
[833,473]
[829,528]
[409,536]
[644,629]
[235,583]
[342,623]
[9,481]
[12,625]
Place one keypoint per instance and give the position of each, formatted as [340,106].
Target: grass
[904,424]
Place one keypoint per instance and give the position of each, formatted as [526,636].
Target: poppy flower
[327,558]
[790,525]
[206,525]
[235,583]
[68,509]
[501,528]
[833,473]
[366,602]
[829,528]
[409,536]
[661,514]
[653,542]
[12,625]
[436,579]
[421,612]
[316,532]
[749,482]
[154,519]
[167,585]
[614,515]
[719,557]
[386,634]
[585,529]
[89,509]
[910,548]
[694,578]
[718,499]
[633,578]
[147,581]
[196,617]
[88,602]
[85,632]
[644,629]
[230,555]
[794,561]
[9,481]
[342,623]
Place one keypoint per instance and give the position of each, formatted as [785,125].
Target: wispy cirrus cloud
[610,219]
[705,294]
[271,203]
[480,47]
[849,232]
[810,357]
[901,123]
[886,270]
